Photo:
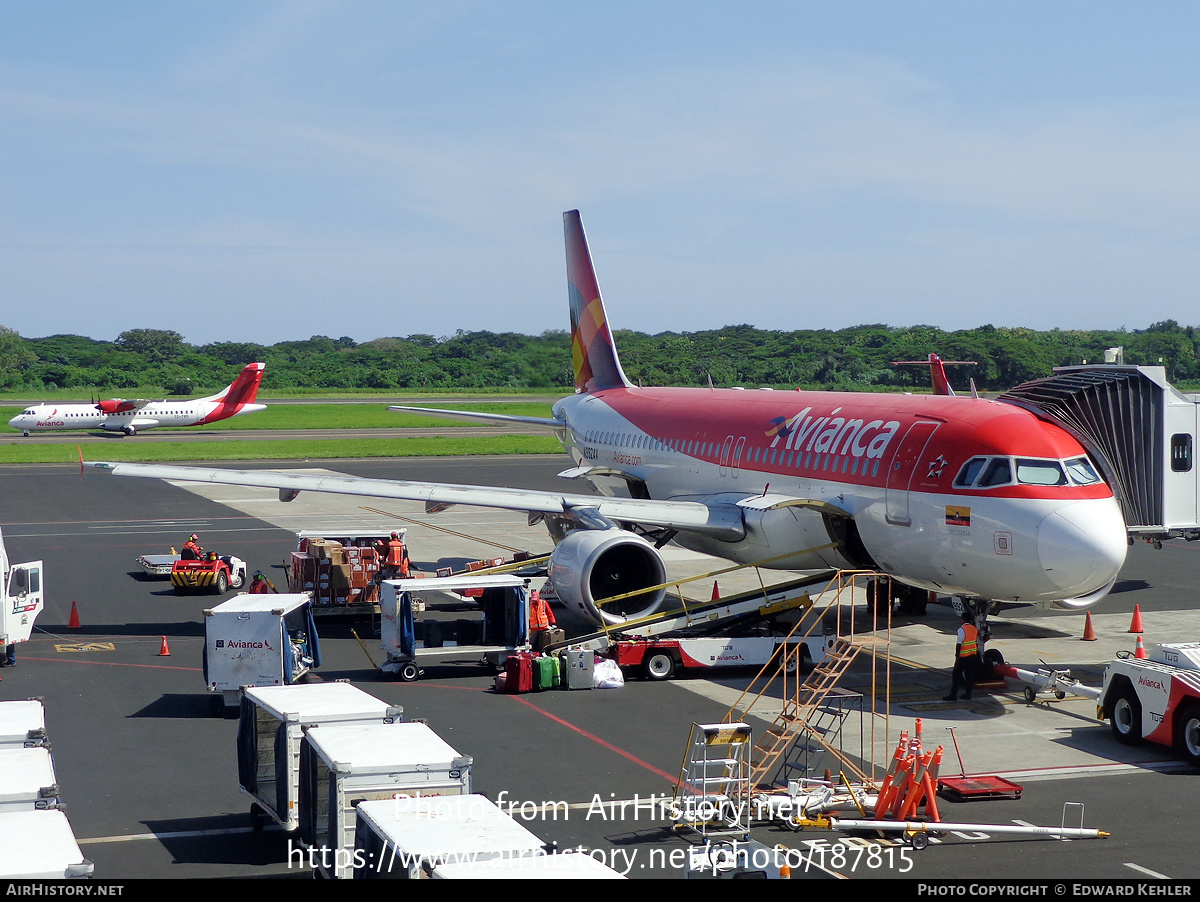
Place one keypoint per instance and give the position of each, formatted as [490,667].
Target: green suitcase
[545,672]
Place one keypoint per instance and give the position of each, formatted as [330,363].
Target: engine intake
[590,565]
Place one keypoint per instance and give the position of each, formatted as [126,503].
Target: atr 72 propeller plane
[119,415]
[960,495]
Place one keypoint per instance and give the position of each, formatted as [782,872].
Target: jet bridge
[1140,430]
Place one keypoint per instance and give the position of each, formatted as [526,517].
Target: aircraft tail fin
[244,389]
[937,372]
[593,351]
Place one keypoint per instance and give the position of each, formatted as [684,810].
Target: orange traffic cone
[1139,650]
[164,651]
[1089,634]
[1135,625]
[73,623]
[716,596]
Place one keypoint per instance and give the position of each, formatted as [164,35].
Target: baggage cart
[341,766]
[157,565]
[22,724]
[270,727]
[503,630]
[27,781]
[40,845]
[411,838]
[258,640]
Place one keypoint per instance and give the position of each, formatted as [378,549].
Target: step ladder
[794,718]
[713,794]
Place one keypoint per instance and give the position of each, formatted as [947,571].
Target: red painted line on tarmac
[110,663]
[570,726]
[596,739]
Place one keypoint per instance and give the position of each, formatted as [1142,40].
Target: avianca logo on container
[832,434]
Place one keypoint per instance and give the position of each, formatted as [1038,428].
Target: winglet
[593,352]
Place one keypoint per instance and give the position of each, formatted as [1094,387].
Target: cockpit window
[988,472]
[1040,472]
[969,471]
[997,472]
[1082,472]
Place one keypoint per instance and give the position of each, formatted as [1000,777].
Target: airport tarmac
[149,775]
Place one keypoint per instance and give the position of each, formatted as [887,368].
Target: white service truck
[23,598]
[1156,698]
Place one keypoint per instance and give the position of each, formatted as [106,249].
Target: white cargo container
[22,724]
[40,845]
[270,727]
[341,766]
[27,780]
[411,838]
[258,640]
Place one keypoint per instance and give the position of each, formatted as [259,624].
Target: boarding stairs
[798,716]
[806,705]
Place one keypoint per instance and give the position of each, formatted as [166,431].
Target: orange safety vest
[540,615]
[970,643]
[397,556]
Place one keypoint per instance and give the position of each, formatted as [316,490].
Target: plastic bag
[607,675]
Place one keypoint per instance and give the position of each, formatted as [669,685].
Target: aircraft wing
[722,521]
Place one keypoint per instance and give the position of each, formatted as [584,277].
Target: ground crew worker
[541,618]
[259,585]
[191,550]
[395,557]
[966,658]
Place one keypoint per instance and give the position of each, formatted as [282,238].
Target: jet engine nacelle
[590,565]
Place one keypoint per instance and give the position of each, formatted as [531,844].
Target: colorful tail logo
[245,388]
[593,353]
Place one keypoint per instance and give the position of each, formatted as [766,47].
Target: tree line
[861,357]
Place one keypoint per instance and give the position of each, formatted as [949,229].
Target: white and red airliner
[121,415]
[960,495]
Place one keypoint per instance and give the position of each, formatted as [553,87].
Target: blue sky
[268,171]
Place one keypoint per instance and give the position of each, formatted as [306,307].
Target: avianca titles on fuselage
[959,495]
[120,415]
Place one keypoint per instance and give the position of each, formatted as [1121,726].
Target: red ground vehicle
[216,574]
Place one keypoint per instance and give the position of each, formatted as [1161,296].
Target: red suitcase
[518,670]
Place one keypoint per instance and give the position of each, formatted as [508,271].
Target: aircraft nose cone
[1082,545]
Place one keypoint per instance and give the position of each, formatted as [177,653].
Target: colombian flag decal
[958,516]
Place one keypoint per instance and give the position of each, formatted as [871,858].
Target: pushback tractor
[1156,698]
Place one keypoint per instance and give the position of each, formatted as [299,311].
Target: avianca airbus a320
[960,495]
[120,415]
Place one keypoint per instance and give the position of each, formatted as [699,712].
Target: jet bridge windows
[1181,452]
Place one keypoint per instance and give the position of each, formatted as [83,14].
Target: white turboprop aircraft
[959,495]
[120,415]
